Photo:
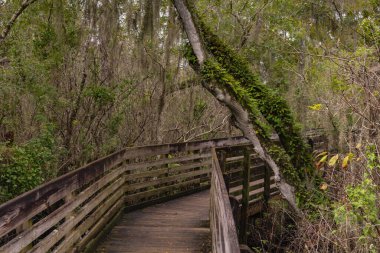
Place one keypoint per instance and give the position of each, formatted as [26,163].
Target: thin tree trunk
[25,4]
[163,71]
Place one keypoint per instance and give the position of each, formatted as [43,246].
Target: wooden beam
[245,198]
[267,183]
[223,230]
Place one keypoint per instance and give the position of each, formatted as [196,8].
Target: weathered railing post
[222,162]
[126,176]
[167,166]
[266,185]
[25,226]
[223,230]
[245,197]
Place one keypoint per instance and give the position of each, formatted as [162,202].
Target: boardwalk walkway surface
[176,226]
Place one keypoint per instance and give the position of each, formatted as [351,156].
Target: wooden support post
[245,198]
[126,174]
[223,167]
[166,156]
[266,185]
[235,207]
[23,227]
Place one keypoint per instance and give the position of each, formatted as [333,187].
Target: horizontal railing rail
[70,212]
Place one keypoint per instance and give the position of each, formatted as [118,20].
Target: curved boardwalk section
[176,226]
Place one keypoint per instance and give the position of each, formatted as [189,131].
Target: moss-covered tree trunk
[231,92]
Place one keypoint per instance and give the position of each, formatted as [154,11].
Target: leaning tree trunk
[241,115]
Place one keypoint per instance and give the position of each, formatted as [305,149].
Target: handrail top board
[223,229]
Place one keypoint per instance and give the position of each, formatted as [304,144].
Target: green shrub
[360,210]
[26,166]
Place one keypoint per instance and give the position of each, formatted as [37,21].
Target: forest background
[80,79]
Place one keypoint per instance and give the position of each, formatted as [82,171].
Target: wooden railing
[71,212]
[222,224]
[249,184]
[261,179]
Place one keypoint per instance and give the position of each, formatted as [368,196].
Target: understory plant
[352,222]
[24,167]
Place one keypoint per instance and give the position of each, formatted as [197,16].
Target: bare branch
[25,4]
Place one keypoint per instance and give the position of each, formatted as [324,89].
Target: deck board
[176,226]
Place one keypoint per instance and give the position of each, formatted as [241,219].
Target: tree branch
[25,4]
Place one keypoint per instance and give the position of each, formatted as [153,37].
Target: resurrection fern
[274,108]
[212,72]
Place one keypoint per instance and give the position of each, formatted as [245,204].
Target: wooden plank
[222,164]
[180,194]
[243,228]
[254,164]
[24,227]
[141,165]
[253,185]
[155,182]
[115,202]
[160,172]
[28,236]
[232,159]
[256,192]
[159,181]
[223,230]
[267,183]
[69,224]
[173,226]
[91,246]
[182,147]
[237,182]
[150,193]
[239,188]
[16,211]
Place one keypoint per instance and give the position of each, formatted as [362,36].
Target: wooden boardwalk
[180,225]
[74,212]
